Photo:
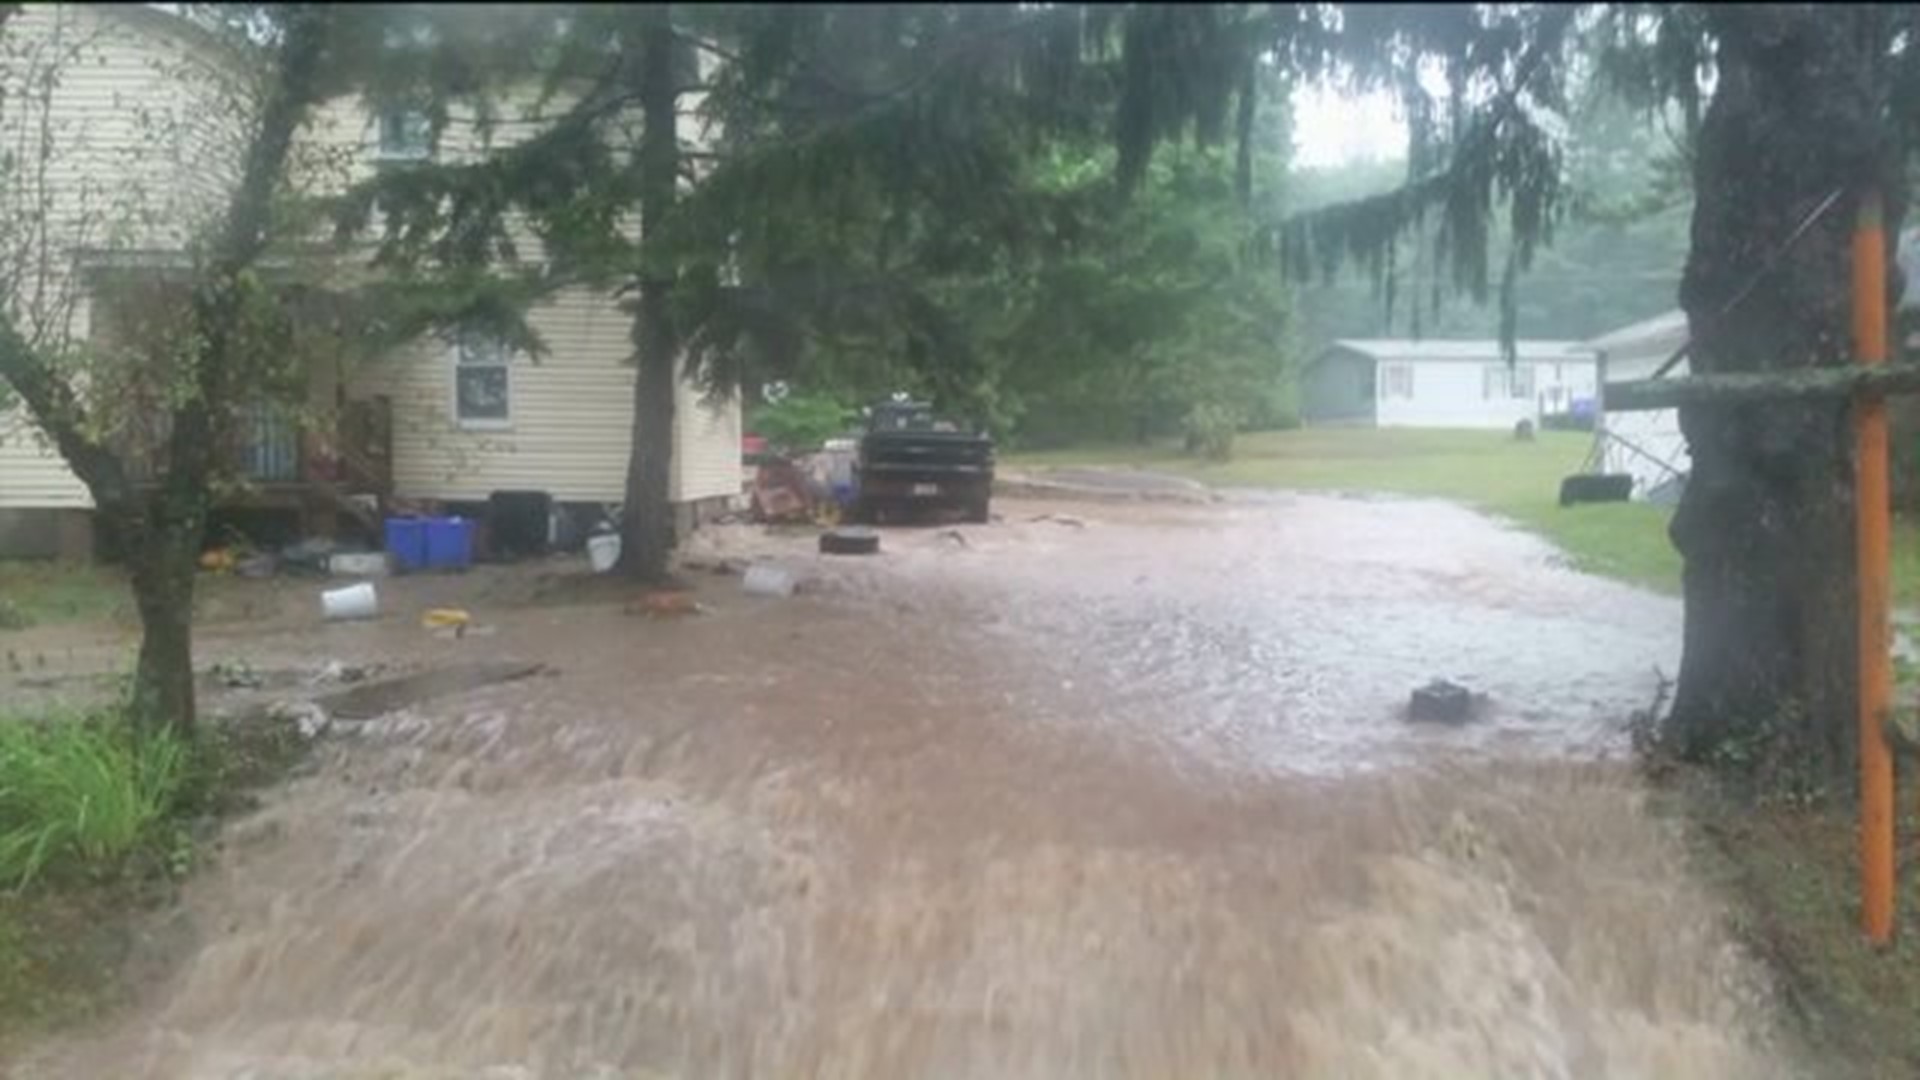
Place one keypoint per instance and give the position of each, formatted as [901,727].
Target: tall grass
[80,792]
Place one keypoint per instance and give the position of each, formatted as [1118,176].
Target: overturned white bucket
[603,552]
[352,602]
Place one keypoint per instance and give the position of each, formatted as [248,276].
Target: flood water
[1126,795]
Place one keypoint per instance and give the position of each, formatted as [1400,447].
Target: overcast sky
[1332,128]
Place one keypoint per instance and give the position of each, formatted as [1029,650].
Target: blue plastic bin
[449,543]
[407,543]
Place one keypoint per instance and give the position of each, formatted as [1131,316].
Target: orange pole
[1872,509]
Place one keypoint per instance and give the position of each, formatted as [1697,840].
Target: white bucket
[766,579]
[602,552]
[352,602]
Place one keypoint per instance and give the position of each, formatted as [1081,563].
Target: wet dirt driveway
[1126,795]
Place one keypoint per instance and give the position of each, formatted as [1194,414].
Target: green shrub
[799,424]
[80,792]
[1210,430]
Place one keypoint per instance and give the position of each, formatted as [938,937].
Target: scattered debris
[337,672]
[956,536]
[1061,519]
[358,564]
[603,552]
[716,567]
[437,618]
[1643,725]
[767,579]
[308,717]
[849,541]
[780,492]
[353,602]
[1441,701]
[11,617]
[257,567]
[236,675]
[308,556]
[665,602]
[376,699]
[217,560]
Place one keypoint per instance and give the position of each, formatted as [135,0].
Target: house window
[1396,381]
[405,135]
[1522,381]
[482,382]
[1499,381]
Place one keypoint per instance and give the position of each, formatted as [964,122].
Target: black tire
[849,542]
[979,511]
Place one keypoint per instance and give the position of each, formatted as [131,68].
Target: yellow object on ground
[439,617]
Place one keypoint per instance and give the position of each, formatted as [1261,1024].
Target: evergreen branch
[1365,228]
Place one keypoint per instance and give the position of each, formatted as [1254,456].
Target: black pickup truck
[910,461]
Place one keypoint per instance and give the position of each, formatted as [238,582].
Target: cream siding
[569,432]
[706,447]
[137,117]
[570,412]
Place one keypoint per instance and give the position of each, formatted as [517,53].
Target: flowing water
[1125,797]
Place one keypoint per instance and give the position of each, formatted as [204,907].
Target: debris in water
[308,717]
[236,675]
[663,602]
[438,618]
[767,579]
[375,699]
[1441,701]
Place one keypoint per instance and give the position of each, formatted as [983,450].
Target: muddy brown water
[1123,798]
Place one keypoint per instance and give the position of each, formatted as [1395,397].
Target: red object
[752,446]
[779,492]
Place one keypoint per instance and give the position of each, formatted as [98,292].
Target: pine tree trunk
[1766,524]
[647,525]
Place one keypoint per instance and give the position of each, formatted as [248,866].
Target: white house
[1444,384]
[434,421]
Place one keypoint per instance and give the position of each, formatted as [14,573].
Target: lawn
[1486,469]
[38,592]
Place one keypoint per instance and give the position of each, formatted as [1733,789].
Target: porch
[323,477]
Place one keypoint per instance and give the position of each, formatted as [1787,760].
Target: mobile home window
[1498,381]
[482,382]
[1396,381]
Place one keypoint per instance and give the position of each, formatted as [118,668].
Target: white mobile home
[1649,446]
[1645,445]
[1445,384]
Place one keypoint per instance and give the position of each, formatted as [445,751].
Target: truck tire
[849,542]
[979,510]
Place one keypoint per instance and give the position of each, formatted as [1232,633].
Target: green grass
[1484,469]
[38,592]
[1791,875]
[80,793]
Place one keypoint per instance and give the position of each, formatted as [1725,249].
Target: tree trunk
[162,581]
[1766,525]
[647,525]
